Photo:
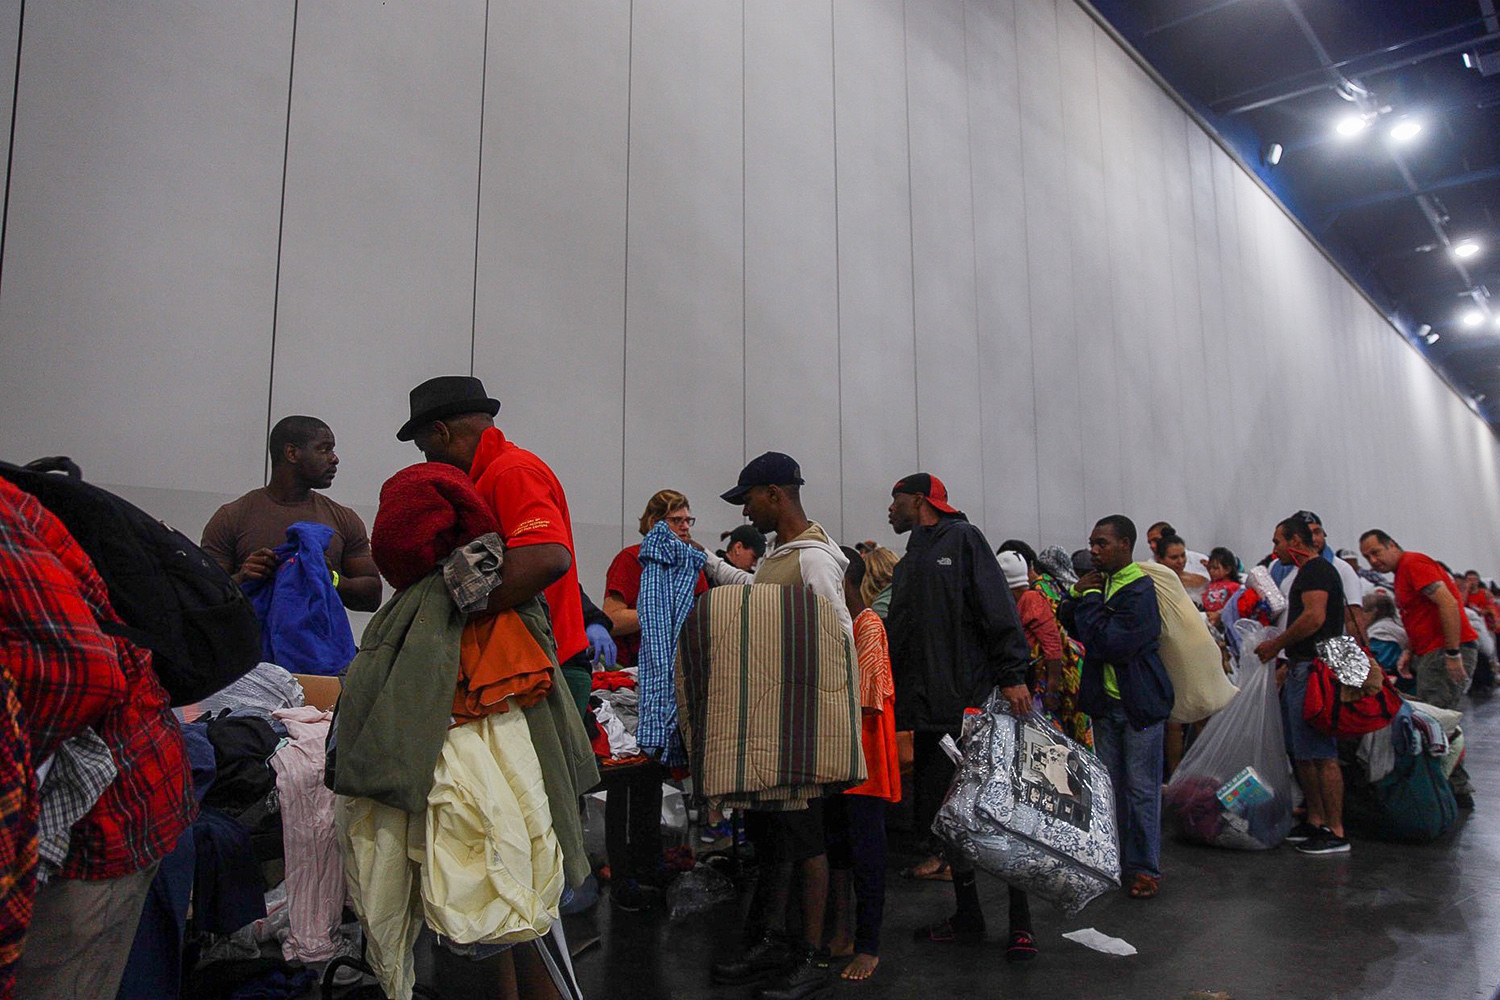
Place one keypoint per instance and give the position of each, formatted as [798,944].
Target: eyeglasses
[688,521]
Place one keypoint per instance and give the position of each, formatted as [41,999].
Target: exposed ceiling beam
[1227,106]
[1342,64]
[1383,197]
[1187,18]
[1366,102]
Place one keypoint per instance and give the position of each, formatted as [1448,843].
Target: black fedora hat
[446,396]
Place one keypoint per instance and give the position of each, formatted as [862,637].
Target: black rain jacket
[954,632]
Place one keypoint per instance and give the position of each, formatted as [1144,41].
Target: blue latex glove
[601,645]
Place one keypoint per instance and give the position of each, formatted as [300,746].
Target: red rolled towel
[426,511]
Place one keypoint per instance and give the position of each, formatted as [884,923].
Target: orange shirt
[877,699]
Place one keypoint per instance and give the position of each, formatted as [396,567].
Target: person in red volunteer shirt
[1444,646]
[453,421]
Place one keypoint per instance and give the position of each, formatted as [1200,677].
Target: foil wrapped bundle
[1350,663]
[1259,580]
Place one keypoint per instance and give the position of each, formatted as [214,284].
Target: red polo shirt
[531,508]
[1419,613]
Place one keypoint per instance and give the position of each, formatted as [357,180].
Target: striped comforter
[768,698]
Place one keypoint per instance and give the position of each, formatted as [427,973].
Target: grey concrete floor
[1385,921]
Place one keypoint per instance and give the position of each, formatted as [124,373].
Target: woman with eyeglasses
[632,807]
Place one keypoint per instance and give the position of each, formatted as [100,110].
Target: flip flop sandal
[1145,886]
[942,873]
[1021,947]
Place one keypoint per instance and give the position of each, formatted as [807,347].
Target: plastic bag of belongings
[1233,788]
[1032,807]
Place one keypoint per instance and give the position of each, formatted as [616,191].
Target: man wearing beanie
[954,637]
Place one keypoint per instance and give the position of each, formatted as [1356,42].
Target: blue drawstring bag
[304,628]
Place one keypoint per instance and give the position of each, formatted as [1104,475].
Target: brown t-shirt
[256,521]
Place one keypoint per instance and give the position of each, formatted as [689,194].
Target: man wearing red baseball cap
[954,637]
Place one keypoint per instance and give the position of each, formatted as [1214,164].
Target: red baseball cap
[929,488]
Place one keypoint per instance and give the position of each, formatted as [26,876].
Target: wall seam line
[911,233]
[838,296]
[10,155]
[744,267]
[1026,228]
[625,283]
[484,73]
[974,246]
[286,153]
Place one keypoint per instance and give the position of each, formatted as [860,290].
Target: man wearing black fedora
[453,421]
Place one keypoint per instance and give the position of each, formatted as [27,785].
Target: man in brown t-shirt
[242,535]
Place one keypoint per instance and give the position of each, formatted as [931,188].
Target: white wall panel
[1208,456]
[1054,337]
[966,235]
[1007,394]
[877,363]
[377,244]
[549,337]
[140,255]
[1192,495]
[948,428]
[1118,121]
[791,246]
[1094,361]
[685,364]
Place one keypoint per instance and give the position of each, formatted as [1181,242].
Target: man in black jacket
[954,637]
[1125,690]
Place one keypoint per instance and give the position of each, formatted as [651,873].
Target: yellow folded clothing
[481,865]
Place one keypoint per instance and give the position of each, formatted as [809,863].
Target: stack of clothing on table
[256,759]
[454,733]
[615,704]
[768,698]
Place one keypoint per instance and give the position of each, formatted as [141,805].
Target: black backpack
[174,600]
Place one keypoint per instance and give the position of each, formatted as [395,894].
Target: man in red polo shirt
[453,421]
[1444,646]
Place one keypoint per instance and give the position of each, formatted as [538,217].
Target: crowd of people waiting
[490,693]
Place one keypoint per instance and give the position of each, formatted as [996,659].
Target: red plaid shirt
[68,675]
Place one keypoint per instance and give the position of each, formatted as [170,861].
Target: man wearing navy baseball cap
[770,490]
[954,637]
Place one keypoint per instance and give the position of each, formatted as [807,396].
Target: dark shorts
[787,836]
[1303,742]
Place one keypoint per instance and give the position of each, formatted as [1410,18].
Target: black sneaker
[1325,842]
[1302,833]
[808,976]
[761,961]
[632,897]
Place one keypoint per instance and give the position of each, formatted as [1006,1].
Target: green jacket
[569,767]
[397,704]
[397,701]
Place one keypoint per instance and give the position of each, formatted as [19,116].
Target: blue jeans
[1133,758]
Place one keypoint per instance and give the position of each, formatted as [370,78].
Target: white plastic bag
[1032,807]
[1212,797]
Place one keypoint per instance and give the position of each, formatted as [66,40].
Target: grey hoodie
[811,560]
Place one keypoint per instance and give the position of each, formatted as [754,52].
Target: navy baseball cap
[771,469]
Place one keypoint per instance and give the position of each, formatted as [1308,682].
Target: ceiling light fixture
[1405,130]
[1352,125]
[1473,318]
[1273,154]
[1467,248]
